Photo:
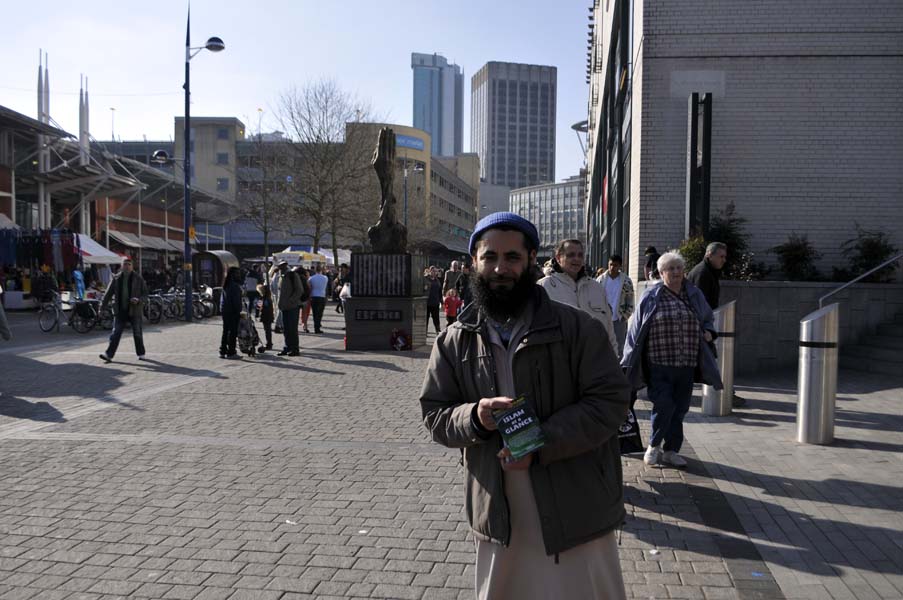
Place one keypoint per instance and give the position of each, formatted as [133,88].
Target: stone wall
[769,312]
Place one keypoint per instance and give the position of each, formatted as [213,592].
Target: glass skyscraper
[439,102]
[512,125]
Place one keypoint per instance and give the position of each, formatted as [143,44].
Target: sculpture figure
[388,236]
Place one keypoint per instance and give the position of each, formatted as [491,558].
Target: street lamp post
[214,44]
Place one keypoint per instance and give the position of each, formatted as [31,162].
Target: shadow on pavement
[17,408]
[28,378]
[373,364]
[157,366]
[819,546]
[842,418]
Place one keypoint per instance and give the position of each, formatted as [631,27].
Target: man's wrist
[482,432]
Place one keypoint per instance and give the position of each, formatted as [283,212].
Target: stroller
[248,340]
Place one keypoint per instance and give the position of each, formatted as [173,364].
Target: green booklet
[520,428]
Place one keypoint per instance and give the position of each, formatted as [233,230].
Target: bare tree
[331,166]
[264,174]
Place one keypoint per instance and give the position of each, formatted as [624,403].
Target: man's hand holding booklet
[519,427]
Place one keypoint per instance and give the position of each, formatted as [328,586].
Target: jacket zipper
[494,389]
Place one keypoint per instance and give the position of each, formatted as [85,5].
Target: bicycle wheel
[48,318]
[197,311]
[81,324]
[154,312]
[106,318]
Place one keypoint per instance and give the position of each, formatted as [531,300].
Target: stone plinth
[369,321]
[387,275]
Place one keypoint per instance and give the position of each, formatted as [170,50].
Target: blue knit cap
[507,220]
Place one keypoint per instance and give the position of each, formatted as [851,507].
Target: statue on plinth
[388,236]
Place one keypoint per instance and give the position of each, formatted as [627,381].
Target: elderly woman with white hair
[667,349]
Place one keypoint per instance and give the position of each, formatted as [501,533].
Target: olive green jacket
[566,367]
[139,290]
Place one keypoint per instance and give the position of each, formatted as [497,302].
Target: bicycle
[82,315]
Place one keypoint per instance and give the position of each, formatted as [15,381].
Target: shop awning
[126,239]
[94,253]
[154,243]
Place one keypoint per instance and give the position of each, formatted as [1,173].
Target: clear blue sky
[133,53]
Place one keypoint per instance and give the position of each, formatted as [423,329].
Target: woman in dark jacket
[267,315]
[231,312]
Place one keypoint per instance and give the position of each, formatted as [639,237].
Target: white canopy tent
[6,223]
[94,253]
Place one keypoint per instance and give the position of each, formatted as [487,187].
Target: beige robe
[522,570]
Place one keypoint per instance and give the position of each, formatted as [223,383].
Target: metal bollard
[718,403]
[819,333]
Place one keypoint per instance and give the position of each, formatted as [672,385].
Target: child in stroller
[248,340]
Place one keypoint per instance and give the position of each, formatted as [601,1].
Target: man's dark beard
[502,304]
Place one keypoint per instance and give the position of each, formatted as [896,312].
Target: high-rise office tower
[512,125]
[439,102]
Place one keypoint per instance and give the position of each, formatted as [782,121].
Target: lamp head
[215,44]
[161,157]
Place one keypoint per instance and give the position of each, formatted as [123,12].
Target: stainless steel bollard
[718,403]
[819,333]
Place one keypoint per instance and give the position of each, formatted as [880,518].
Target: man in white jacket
[573,287]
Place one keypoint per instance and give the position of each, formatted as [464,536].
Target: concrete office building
[797,120]
[513,123]
[493,198]
[213,140]
[439,102]
[557,210]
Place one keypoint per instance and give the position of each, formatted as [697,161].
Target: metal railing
[861,277]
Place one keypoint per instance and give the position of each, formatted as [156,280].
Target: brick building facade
[806,120]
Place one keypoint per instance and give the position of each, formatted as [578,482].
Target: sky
[133,56]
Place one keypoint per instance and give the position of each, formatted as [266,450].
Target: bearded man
[544,524]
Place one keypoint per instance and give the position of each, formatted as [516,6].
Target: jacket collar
[544,316]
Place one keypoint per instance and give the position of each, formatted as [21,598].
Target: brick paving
[187,476]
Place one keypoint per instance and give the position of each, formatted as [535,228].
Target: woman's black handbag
[629,432]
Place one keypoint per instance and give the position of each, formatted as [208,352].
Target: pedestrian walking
[545,523]
[668,341]
[706,275]
[304,275]
[343,278]
[570,285]
[231,312]
[620,295]
[319,283]
[463,285]
[275,286]
[252,280]
[433,298]
[290,304]
[266,316]
[451,277]
[5,332]
[127,294]
[451,304]
[650,269]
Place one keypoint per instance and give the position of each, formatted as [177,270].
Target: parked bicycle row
[85,315]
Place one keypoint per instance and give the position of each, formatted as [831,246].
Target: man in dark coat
[433,297]
[127,294]
[707,273]
[707,277]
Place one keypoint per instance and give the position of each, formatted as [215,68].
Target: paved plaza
[191,477]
